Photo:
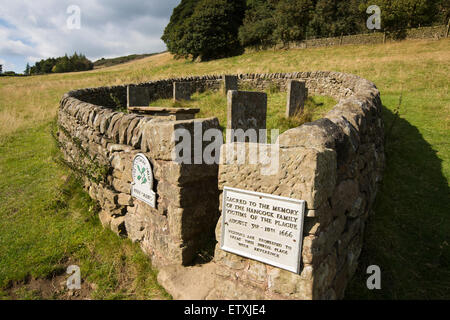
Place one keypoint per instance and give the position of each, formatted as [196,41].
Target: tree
[210,32]
[77,62]
[292,19]
[197,27]
[401,14]
[443,11]
[175,30]
[332,18]
[27,70]
[258,24]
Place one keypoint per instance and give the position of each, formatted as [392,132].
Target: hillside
[109,62]
[407,236]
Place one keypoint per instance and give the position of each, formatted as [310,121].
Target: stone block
[301,173]
[124,199]
[118,226]
[161,138]
[291,285]
[105,218]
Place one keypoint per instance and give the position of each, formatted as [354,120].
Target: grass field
[47,222]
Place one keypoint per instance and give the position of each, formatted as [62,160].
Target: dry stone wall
[334,164]
[97,139]
[432,32]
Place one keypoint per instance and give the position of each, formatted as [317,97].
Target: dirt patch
[53,288]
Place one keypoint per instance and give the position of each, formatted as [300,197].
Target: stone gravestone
[296,97]
[181,91]
[246,110]
[137,96]
[230,83]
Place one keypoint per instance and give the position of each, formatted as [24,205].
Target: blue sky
[35,30]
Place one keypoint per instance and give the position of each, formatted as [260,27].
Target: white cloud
[7,66]
[38,29]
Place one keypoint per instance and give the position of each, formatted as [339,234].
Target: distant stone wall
[433,32]
[334,164]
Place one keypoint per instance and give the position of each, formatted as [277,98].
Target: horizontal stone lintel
[156,110]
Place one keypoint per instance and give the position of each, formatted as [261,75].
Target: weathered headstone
[296,97]
[137,96]
[181,91]
[246,110]
[229,83]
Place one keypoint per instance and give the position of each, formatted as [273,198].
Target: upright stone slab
[229,83]
[296,97]
[246,110]
[181,91]
[137,96]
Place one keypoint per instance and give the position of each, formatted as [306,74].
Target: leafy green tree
[27,70]
[210,32]
[292,19]
[198,26]
[443,11]
[77,62]
[175,30]
[333,17]
[258,24]
[401,14]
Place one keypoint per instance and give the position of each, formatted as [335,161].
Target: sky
[34,30]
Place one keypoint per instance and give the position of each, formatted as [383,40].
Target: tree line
[210,29]
[76,62]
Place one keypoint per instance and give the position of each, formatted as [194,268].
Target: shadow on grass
[408,235]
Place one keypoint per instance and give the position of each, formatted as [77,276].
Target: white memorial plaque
[142,185]
[263,227]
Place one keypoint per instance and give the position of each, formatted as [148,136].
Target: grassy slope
[102,63]
[48,223]
[407,237]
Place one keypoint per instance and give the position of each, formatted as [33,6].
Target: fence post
[448,26]
[384,37]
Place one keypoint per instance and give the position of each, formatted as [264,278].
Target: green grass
[213,104]
[408,235]
[49,222]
